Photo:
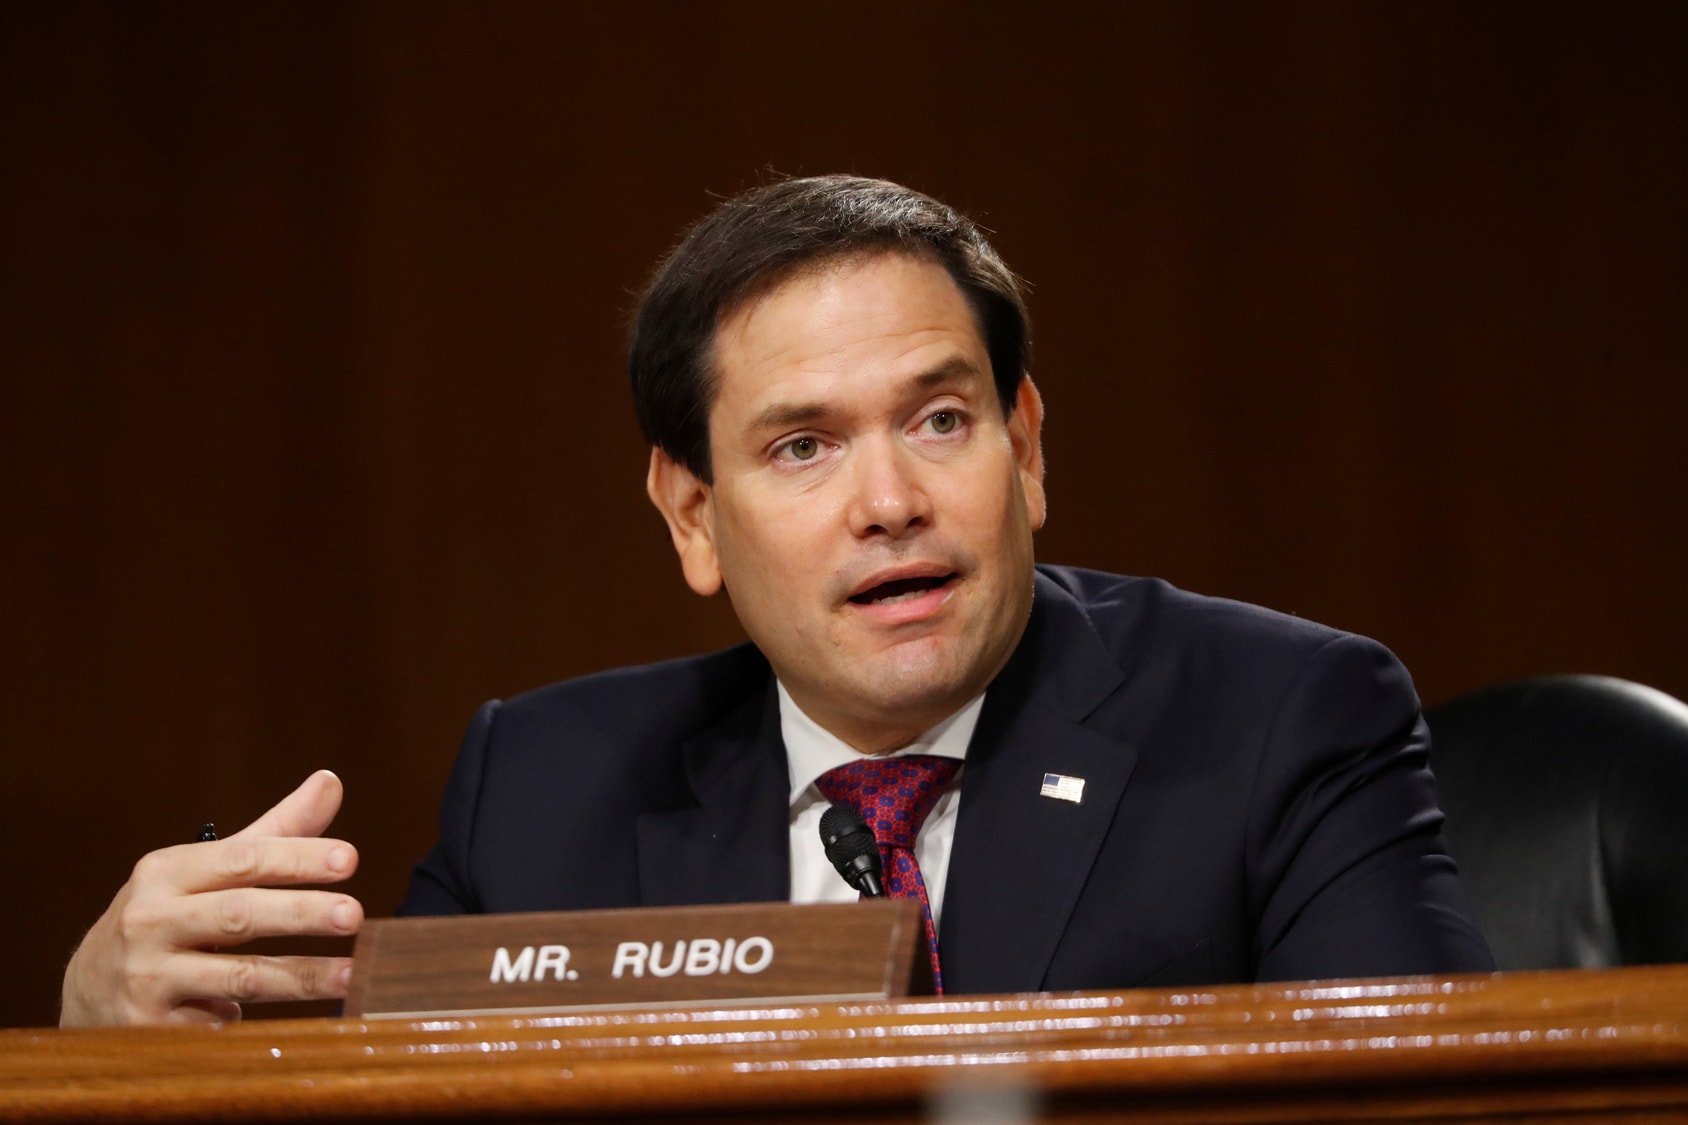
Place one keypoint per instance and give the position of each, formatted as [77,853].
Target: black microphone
[852,849]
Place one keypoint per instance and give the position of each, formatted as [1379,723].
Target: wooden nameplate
[671,956]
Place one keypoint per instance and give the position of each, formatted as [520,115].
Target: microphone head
[851,848]
[840,821]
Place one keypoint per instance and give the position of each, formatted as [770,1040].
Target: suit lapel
[734,844]
[1021,859]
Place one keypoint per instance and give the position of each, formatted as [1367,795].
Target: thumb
[307,811]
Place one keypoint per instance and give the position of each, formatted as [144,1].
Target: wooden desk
[1587,1046]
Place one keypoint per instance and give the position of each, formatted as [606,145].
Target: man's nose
[889,498]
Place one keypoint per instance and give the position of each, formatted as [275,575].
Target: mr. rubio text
[698,957]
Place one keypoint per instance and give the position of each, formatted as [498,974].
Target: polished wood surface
[1589,1045]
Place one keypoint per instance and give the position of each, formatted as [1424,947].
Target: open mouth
[901,590]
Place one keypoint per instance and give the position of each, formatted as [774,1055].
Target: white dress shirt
[810,751]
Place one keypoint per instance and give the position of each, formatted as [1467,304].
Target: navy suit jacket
[1257,803]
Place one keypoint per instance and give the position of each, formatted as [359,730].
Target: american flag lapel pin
[1063,788]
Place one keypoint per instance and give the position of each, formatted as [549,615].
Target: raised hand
[154,955]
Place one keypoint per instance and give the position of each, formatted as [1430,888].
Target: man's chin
[882,698]
[907,700]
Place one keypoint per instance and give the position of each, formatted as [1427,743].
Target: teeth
[908,595]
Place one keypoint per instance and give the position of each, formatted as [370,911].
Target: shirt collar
[811,750]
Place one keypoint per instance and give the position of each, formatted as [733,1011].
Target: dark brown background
[314,433]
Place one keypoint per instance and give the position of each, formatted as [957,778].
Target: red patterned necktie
[894,795]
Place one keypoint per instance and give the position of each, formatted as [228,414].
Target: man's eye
[803,448]
[944,422]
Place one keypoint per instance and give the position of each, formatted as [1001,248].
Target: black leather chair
[1567,804]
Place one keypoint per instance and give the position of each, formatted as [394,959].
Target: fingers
[213,982]
[231,917]
[145,960]
[210,988]
[307,811]
[245,861]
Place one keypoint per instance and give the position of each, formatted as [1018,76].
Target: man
[1154,788]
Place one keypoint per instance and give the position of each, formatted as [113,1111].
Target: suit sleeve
[440,884]
[1348,872]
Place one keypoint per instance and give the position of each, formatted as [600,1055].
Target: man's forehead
[900,315]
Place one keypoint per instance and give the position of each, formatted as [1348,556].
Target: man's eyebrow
[783,414]
[957,367]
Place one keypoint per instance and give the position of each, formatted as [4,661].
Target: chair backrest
[1567,805]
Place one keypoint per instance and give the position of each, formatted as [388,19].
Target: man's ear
[1025,432]
[688,505]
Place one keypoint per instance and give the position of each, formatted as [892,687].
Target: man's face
[872,511]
